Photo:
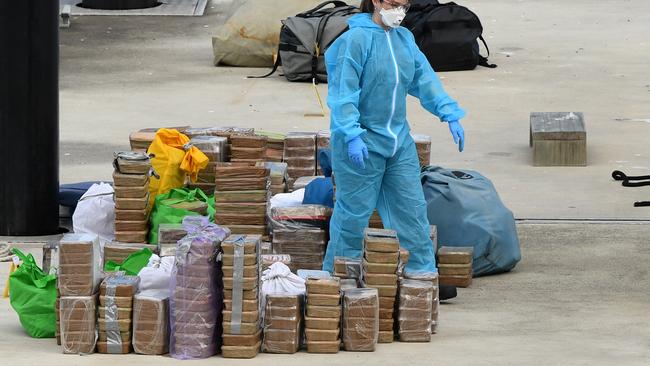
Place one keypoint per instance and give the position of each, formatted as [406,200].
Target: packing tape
[237,288]
[113,336]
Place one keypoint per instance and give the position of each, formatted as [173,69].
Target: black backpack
[447,34]
[304,38]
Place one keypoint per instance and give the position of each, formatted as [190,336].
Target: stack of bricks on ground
[381,259]
[300,155]
[242,336]
[214,147]
[360,319]
[323,315]
[241,197]
[131,185]
[455,266]
[115,313]
[282,323]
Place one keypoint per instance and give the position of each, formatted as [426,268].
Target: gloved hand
[357,151]
[458,133]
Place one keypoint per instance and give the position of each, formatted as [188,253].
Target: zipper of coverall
[392,110]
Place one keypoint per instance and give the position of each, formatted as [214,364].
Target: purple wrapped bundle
[197,291]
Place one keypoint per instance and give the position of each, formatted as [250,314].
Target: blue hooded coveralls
[370,71]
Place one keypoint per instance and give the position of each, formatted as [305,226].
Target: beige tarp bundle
[250,36]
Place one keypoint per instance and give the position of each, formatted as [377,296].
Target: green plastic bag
[32,294]
[164,213]
[132,264]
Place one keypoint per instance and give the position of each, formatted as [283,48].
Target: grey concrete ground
[121,74]
[579,297]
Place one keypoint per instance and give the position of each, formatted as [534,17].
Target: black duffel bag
[447,34]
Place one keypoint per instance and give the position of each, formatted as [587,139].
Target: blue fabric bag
[467,210]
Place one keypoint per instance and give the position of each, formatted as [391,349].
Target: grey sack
[467,210]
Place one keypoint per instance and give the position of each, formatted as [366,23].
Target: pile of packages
[455,266]
[300,155]
[131,185]
[242,335]
[380,263]
[248,149]
[241,197]
[323,315]
[282,323]
[215,148]
[115,313]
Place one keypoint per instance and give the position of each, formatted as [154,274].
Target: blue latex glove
[458,133]
[357,151]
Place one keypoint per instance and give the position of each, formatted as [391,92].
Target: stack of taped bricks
[248,149]
[415,310]
[323,315]
[79,258]
[242,334]
[115,313]
[131,184]
[360,319]
[305,246]
[151,322]
[300,155]
[322,142]
[214,147]
[240,198]
[277,174]
[381,251]
[282,323]
[455,266]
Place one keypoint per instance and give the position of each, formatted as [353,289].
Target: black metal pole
[29,117]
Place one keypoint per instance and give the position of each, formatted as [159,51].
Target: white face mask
[392,17]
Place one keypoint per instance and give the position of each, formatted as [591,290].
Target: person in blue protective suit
[371,68]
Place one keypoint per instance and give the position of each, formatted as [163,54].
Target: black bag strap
[483,61]
[620,176]
[277,64]
[318,7]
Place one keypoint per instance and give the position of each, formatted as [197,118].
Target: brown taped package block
[325,286]
[379,268]
[77,323]
[132,236]
[131,215]
[244,208]
[458,281]
[124,337]
[249,242]
[242,340]
[124,325]
[246,316]
[386,325]
[120,301]
[151,322]
[281,341]
[455,269]
[248,141]
[243,153]
[131,192]
[120,313]
[249,271]
[324,346]
[243,328]
[246,294]
[247,305]
[322,323]
[241,196]
[384,258]
[386,302]
[104,347]
[248,229]
[119,286]
[241,184]
[241,171]
[130,180]
[385,290]
[360,333]
[128,162]
[318,335]
[416,302]
[249,259]
[246,283]
[433,278]
[346,267]
[386,336]
[371,279]
[323,300]
[323,311]
[239,219]
[300,139]
[80,259]
[241,351]
[131,203]
[455,255]
[381,240]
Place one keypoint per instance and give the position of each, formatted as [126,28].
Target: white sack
[95,213]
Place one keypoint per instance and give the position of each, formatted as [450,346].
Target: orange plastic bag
[172,159]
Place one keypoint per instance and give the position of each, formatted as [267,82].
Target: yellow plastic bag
[173,159]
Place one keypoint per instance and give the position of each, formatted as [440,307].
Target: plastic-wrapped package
[282,323]
[323,302]
[151,322]
[300,217]
[278,176]
[415,305]
[77,323]
[423,147]
[381,240]
[114,316]
[300,154]
[196,291]
[306,247]
[131,162]
[433,278]
[347,268]
[214,147]
[79,265]
[242,333]
[360,319]
[455,255]
[168,236]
